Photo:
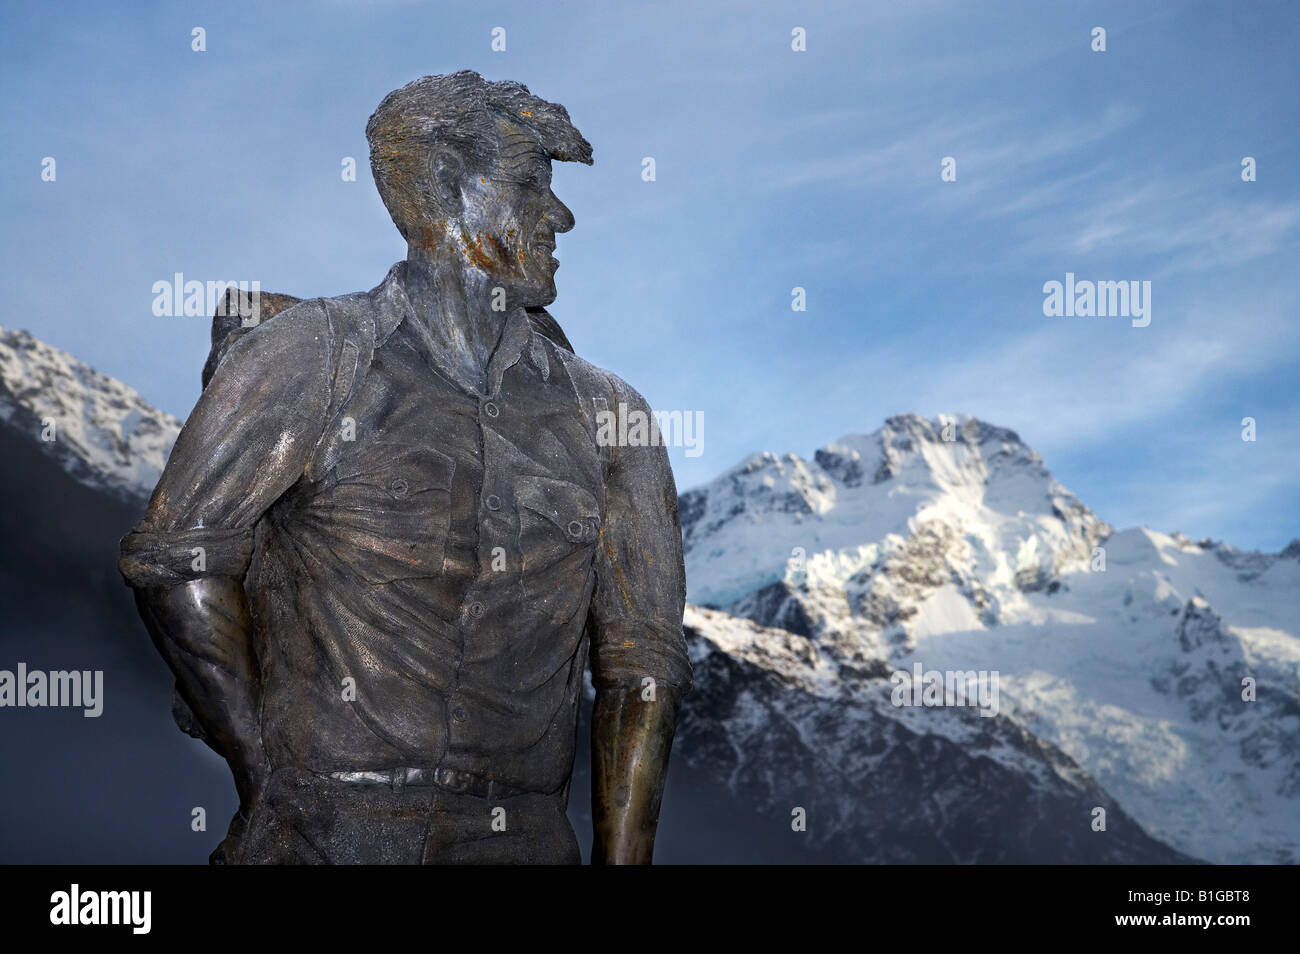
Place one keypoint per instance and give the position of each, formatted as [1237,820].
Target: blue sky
[775,169]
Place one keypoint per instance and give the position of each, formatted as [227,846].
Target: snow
[945,542]
[105,434]
[966,554]
[945,611]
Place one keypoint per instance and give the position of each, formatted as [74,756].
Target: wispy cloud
[776,169]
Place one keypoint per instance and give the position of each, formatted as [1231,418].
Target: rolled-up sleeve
[247,441]
[640,594]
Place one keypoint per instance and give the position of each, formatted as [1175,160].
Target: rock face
[784,728]
[1123,657]
[952,489]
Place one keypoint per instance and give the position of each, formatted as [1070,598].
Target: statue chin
[535,297]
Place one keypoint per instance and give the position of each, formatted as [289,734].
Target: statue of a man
[389,535]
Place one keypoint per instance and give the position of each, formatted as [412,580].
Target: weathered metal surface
[388,538]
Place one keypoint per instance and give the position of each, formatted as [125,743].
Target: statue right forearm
[202,629]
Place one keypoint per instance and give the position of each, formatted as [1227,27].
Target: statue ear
[446,171]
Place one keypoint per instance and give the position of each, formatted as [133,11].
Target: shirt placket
[495,508]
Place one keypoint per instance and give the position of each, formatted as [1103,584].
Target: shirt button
[491,410]
[576,530]
[476,610]
[493,502]
[459,714]
[398,486]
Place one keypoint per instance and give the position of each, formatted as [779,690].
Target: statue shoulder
[595,381]
[270,326]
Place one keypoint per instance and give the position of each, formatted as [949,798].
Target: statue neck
[453,306]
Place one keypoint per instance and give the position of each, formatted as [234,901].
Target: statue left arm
[630,743]
[639,663]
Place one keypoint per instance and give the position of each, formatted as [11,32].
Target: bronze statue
[388,536]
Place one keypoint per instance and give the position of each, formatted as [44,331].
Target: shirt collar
[393,307]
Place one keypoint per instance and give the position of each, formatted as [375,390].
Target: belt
[451,780]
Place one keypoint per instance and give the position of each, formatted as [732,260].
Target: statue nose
[561,217]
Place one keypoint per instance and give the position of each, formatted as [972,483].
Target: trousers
[304,818]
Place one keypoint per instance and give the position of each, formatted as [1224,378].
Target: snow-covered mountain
[784,726]
[947,543]
[101,432]
[67,504]
[1120,655]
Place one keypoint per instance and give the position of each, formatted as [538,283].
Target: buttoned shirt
[427,566]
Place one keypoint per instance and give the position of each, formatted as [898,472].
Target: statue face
[510,219]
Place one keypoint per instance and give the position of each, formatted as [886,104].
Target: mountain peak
[101,432]
[741,530]
[948,428]
[948,450]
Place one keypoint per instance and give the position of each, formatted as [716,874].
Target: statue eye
[539,175]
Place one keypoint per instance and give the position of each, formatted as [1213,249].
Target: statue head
[464,167]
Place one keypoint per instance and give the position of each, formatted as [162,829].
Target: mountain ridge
[942,542]
[105,434]
[948,543]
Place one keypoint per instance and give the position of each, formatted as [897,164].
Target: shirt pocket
[387,511]
[559,524]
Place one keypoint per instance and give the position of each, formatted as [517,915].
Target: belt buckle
[452,780]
